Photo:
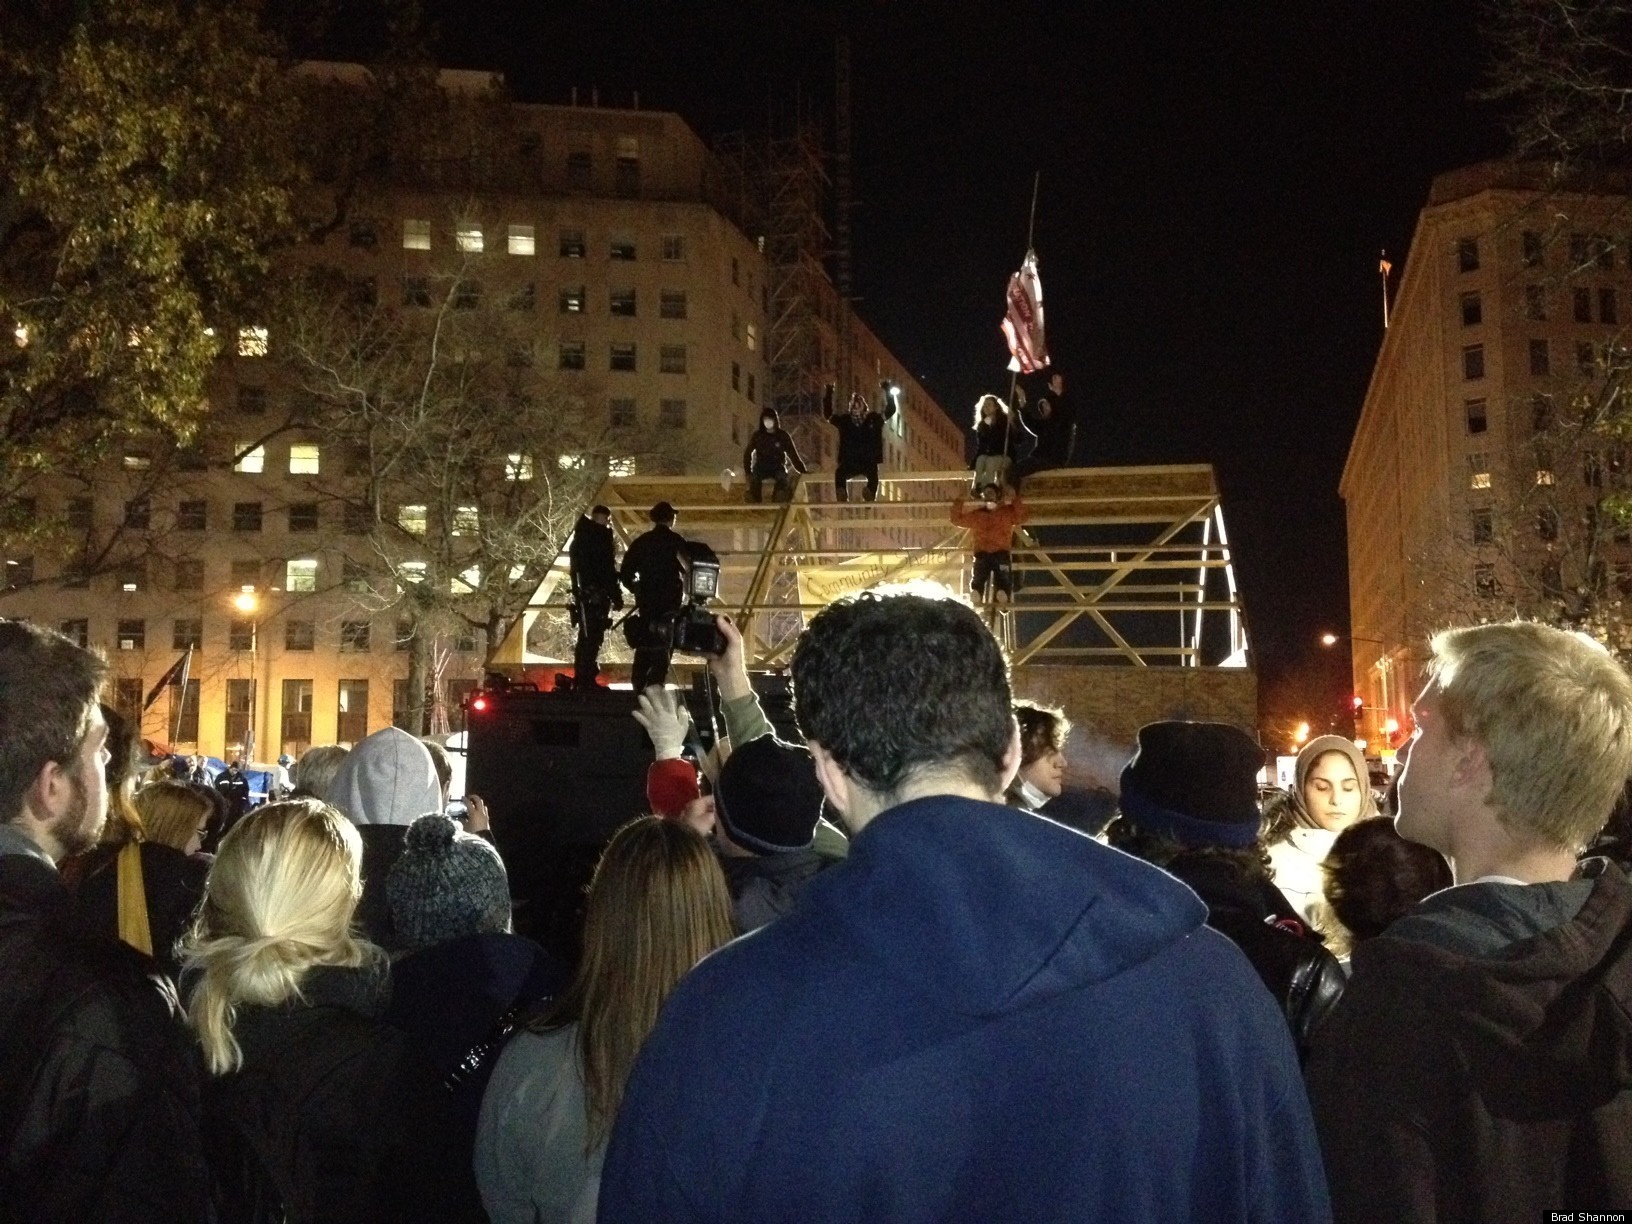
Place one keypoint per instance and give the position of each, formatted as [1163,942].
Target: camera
[691,629]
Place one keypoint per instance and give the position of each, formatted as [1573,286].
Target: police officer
[651,570]
[593,561]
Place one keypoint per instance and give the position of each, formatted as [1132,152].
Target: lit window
[1544,476]
[253,342]
[467,582]
[300,575]
[622,249]
[412,519]
[518,467]
[621,465]
[250,458]
[19,335]
[1479,469]
[572,244]
[519,240]
[753,337]
[468,238]
[416,235]
[572,299]
[411,571]
[304,459]
[137,462]
[466,520]
[572,462]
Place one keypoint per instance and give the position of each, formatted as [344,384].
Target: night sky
[1217,182]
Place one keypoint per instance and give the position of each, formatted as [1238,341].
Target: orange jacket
[993,529]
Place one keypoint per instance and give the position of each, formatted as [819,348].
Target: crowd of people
[950,1007]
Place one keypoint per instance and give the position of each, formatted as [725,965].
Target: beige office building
[1474,481]
[608,253]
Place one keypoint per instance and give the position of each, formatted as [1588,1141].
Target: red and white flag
[1023,324]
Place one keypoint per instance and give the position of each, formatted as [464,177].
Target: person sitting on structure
[1001,439]
[769,454]
[861,440]
[991,523]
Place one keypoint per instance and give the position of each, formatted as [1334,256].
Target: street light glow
[245,601]
[1302,732]
[1328,639]
[1391,725]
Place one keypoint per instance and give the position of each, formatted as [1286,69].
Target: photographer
[861,439]
[651,570]
[595,591]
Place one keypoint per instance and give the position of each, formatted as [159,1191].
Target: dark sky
[1217,181]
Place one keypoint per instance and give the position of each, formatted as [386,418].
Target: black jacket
[861,443]
[651,569]
[1480,1064]
[99,1081]
[1056,433]
[236,789]
[770,451]
[173,882]
[593,557]
[1000,437]
[1306,979]
[333,1116]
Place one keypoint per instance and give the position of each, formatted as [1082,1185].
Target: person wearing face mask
[1329,793]
[769,454]
[991,522]
[1043,732]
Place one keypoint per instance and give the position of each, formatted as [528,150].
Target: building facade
[594,296]
[1478,480]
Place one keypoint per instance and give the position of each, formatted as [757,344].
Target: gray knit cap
[447,883]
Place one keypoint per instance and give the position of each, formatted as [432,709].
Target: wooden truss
[1120,566]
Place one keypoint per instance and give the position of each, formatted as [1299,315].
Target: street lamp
[247,602]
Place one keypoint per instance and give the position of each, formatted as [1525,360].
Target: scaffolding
[781,184]
[1126,567]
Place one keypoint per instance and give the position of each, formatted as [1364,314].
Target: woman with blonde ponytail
[315,1108]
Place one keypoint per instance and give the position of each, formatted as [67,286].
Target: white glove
[662,711]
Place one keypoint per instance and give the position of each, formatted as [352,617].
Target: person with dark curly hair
[979,1014]
[1043,732]
[1373,876]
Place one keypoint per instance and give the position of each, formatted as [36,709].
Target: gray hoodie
[387,779]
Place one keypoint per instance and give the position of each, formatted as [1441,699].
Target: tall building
[1475,485]
[620,269]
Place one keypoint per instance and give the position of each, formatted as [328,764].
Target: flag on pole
[177,674]
[1023,323]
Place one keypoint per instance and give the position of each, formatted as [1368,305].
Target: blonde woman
[315,1109]
[657,905]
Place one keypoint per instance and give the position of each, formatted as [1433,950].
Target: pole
[1014,375]
[1384,268]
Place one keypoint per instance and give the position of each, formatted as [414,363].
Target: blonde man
[1476,1068]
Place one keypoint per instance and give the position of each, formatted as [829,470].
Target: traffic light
[1357,703]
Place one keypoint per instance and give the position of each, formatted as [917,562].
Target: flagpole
[1014,375]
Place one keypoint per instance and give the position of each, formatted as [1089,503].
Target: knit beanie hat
[1195,782]
[447,883]
[768,797]
[670,785]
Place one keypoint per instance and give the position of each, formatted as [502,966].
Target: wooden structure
[1117,566]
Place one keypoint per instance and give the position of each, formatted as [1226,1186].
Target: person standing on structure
[593,556]
[991,523]
[651,569]
[861,439]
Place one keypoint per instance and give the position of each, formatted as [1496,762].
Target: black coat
[349,1122]
[1056,433]
[651,569]
[861,443]
[236,789]
[99,1078]
[1303,976]
[173,882]
[769,453]
[1000,437]
[593,556]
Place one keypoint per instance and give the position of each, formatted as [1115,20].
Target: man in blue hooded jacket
[979,1015]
